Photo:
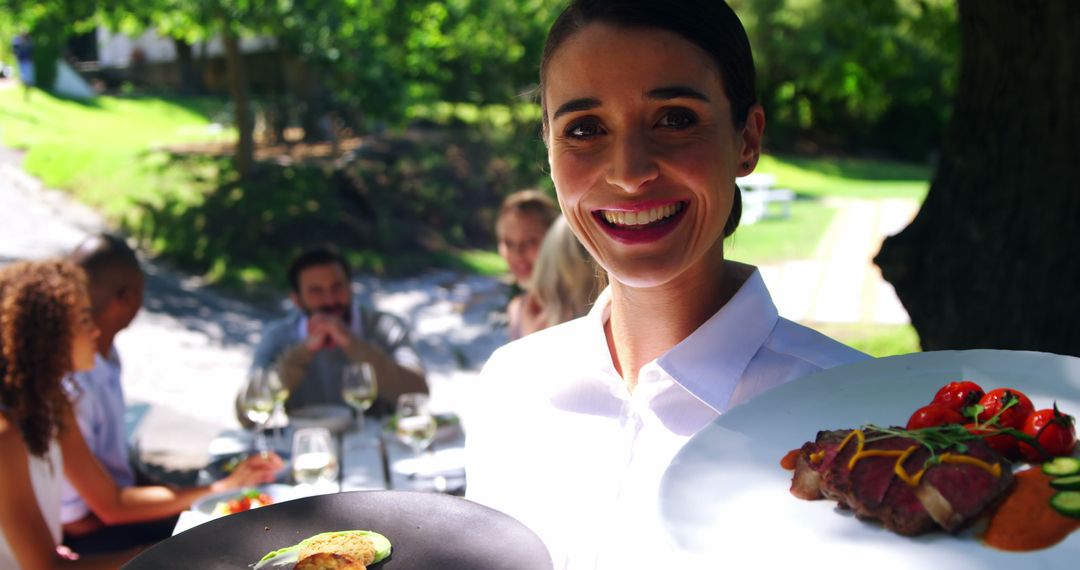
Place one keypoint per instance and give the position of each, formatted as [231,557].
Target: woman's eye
[678,119]
[583,129]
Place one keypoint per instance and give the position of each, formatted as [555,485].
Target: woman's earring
[746,165]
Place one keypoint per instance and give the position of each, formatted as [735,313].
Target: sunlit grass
[848,177]
[773,240]
[877,340]
[98,149]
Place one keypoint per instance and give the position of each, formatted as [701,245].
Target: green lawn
[848,177]
[773,240]
[877,340]
[101,151]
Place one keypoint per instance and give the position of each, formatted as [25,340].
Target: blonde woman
[564,282]
[524,219]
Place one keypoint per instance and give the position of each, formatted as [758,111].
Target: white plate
[332,417]
[726,498]
[279,493]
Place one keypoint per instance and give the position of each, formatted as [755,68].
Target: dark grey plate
[427,530]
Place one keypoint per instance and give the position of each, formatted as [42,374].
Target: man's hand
[327,331]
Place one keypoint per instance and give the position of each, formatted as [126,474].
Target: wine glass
[415,424]
[257,402]
[314,460]
[279,420]
[359,388]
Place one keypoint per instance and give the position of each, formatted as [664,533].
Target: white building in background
[115,50]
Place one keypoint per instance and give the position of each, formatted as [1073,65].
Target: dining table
[370,459]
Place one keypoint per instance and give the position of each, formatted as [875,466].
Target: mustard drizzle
[902,456]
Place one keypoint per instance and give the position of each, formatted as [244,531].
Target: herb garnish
[938,439]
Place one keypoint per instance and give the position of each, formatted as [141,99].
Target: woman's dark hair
[37,318]
[321,255]
[709,24]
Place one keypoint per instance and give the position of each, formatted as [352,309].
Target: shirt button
[652,375]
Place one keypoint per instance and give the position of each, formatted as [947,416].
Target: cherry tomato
[265,499]
[1055,432]
[1013,417]
[958,395]
[934,415]
[1002,443]
[235,506]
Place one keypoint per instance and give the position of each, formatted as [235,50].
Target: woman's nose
[632,162]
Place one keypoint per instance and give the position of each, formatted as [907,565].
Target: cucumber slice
[1062,466]
[1070,483]
[1067,503]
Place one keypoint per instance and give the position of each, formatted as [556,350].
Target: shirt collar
[710,362]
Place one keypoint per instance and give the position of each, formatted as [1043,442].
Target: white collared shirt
[558,442]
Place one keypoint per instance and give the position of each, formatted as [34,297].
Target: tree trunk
[991,259]
[237,78]
[185,61]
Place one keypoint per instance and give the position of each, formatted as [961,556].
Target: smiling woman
[649,115]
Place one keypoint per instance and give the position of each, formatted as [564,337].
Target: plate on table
[330,416]
[427,530]
[725,497]
[209,505]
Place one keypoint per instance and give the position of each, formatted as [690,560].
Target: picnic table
[760,198]
[369,459]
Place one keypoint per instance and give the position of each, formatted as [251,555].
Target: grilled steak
[950,494]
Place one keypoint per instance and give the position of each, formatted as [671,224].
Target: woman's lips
[641,223]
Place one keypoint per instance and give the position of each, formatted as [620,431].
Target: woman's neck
[646,323]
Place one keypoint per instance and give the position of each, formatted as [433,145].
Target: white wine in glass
[415,424]
[257,403]
[314,460]
[359,388]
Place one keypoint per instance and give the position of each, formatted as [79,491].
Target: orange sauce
[1025,520]
[789,460]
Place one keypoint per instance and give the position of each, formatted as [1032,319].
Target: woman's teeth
[641,217]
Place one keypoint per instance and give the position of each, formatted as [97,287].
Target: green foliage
[404,203]
[847,74]
[384,57]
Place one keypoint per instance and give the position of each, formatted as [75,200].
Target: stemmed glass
[359,388]
[280,391]
[257,400]
[314,460]
[415,424]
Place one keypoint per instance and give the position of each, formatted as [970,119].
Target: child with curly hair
[46,332]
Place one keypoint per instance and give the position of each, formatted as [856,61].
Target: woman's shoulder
[814,348]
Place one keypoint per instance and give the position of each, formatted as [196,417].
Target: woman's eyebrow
[676,92]
[576,105]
